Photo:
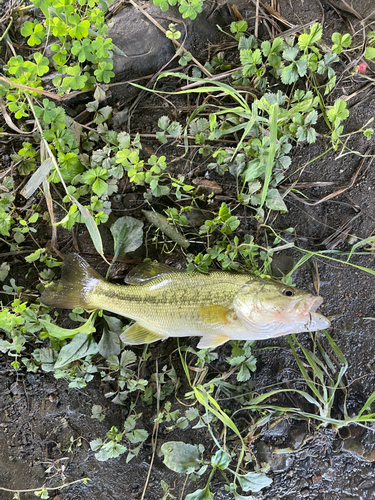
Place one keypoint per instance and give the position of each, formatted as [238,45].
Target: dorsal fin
[143,273]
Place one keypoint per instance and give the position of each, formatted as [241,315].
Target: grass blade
[37,178]
[274,110]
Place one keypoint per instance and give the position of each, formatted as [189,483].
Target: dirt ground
[45,427]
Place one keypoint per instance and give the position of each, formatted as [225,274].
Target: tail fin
[73,289]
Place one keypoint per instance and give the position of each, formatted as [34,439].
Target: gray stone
[146,46]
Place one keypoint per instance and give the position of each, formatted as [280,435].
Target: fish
[165,302]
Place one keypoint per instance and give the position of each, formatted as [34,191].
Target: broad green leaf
[370,53]
[180,457]
[137,436]
[274,201]
[221,460]
[204,494]
[81,346]
[37,178]
[254,482]
[64,333]
[291,53]
[109,343]
[289,74]
[96,444]
[127,233]
[111,449]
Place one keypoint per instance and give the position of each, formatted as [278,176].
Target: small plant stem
[47,489]
[155,430]
[7,29]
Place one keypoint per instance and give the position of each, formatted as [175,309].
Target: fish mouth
[305,305]
[310,320]
[316,302]
[317,322]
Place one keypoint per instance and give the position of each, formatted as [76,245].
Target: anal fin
[137,334]
[211,341]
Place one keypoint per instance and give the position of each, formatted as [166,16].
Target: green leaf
[110,344]
[102,47]
[254,482]
[81,346]
[104,72]
[91,227]
[111,449]
[180,457]
[34,31]
[76,81]
[221,460]
[370,53]
[314,36]
[137,436]
[37,178]
[302,66]
[290,53]
[346,40]
[339,112]
[204,494]
[63,333]
[79,28]
[274,111]
[127,358]
[96,444]
[289,74]
[127,233]
[83,50]
[42,64]
[274,201]
[163,4]
[4,270]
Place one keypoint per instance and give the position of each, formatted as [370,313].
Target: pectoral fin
[215,314]
[209,341]
[137,334]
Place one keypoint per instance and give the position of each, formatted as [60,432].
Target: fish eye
[288,292]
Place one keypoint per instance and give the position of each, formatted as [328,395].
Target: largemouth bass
[165,302]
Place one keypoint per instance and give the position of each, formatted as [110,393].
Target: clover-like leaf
[101,47]
[79,29]
[35,31]
[83,50]
[42,64]
[77,81]
[104,72]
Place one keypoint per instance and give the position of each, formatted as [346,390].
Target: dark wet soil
[45,427]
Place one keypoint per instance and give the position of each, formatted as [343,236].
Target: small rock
[206,186]
[147,48]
